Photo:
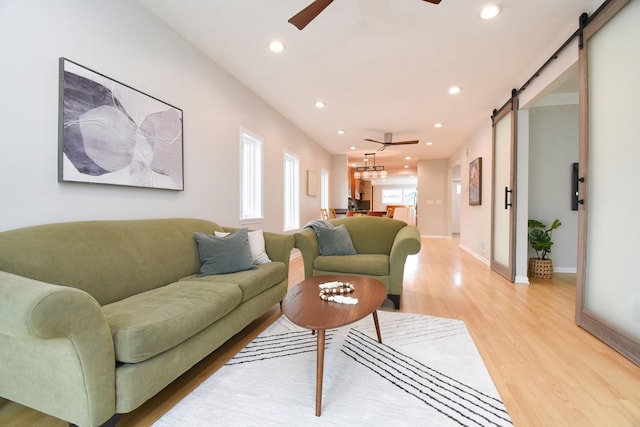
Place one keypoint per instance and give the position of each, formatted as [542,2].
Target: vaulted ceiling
[380,66]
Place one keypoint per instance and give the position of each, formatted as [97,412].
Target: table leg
[375,322]
[319,370]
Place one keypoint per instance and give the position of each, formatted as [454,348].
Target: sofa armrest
[307,241]
[29,308]
[56,351]
[278,246]
[406,242]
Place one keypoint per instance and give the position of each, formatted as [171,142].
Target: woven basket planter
[540,268]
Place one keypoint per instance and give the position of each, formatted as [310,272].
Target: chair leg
[395,299]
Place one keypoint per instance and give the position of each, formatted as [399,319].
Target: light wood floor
[548,371]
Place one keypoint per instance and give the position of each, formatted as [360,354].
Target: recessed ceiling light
[320,104]
[276,46]
[453,90]
[352,147]
[429,143]
[340,132]
[490,11]
[407,158]
[406,166]
[438,125]
[353,165]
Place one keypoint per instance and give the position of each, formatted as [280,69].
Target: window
[291,192]
[399,196]
[324,189]
[250,176]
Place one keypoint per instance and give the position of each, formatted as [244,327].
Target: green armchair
[382,247]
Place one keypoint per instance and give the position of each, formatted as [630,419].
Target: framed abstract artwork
[111,133]
[475,182]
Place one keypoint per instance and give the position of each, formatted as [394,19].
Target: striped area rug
[427,372]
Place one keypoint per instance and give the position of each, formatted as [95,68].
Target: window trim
[256,170]
[324,189]
[402,190]
[294,224]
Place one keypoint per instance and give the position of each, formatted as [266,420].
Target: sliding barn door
[503,199]
[608,290]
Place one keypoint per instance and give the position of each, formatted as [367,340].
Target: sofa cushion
[151,322]
[369,264]
[334,241]
[251,283]
[224,254]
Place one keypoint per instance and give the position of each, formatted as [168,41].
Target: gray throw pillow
[335,241]
[256,244]
[221,255]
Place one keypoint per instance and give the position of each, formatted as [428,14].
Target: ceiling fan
[308,14]
[387,142]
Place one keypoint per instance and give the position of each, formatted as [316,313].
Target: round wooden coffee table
[303,306]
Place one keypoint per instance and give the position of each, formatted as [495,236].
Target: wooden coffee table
[303,306]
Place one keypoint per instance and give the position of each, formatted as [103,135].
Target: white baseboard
[565,269]
[523,280]
[475,255]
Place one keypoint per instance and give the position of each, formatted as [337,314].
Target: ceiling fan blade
[386,144]
[405,142]
[306,15]
[433,1]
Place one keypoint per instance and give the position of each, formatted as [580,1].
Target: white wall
[541,92]
[475,221]
[553,148]
[433,198]
[475,228]
[340,182]
[124,41]
[553,132]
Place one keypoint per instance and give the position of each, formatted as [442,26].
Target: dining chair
[390,210]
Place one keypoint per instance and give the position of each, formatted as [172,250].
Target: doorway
[456,193]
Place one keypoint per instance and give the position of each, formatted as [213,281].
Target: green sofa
[96,317]
[382,246]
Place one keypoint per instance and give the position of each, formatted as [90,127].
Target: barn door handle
[506,197]
[581,180]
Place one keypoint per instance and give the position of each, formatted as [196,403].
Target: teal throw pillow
[227,254]
[335,241]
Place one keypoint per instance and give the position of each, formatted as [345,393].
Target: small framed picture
[475,182]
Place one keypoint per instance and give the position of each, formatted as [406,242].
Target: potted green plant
[540,241]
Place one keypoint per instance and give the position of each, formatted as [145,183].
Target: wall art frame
[313,183]
[475,182]
[111,133]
